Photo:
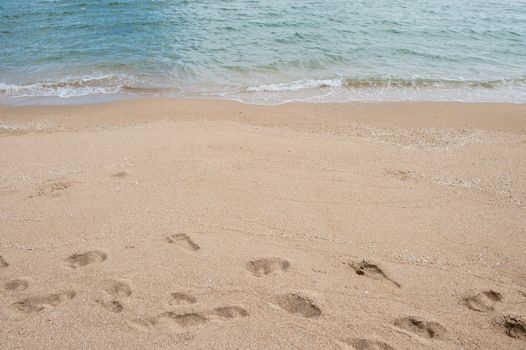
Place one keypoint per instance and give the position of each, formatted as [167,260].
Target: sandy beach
[207,224]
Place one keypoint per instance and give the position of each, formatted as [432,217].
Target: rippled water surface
[266,51]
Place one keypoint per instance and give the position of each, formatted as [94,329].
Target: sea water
[265,51]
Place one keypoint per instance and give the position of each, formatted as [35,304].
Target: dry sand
[154,224]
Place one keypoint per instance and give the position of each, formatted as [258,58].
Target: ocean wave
[298,85]
[306,84]
[315,90]
[65,88]
[433,83]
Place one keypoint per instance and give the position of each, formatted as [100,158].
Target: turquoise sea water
[265,51]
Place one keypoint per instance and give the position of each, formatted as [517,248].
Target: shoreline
[318,90]
[269,100]
[497,116]
[27,101]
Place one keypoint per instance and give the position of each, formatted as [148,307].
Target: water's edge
[264,52]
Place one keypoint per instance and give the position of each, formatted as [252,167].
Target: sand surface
[172,224]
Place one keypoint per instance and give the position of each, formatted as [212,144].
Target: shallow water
[265,51]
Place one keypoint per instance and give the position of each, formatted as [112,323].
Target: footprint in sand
[182,299]
[3,263]
[185,320]
[402,175]
[112,305]
[369,269]
[121,174]
[296,304]
[147,323]
[514,326]
[484,301]
[266,266]
[191,319]
[86,258]
[368,344]
[228,312]
[40,303]
[118,288]
[16,285]
[115,290]
[421,327]
[53,189]
[182,241]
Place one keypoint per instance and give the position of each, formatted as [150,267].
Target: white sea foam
[305,90]
[65,88]
[298,85]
